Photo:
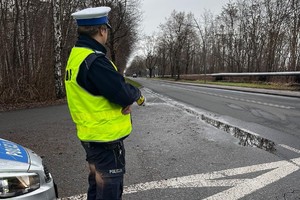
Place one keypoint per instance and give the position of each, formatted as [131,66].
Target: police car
[23,175]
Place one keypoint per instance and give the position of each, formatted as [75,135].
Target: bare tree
[37,47]
[59,88]
[176,31]
[248,35]
[162,57]
[293,23]
[149,53]
[204,35]
[124,18]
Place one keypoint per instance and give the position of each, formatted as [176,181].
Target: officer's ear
[103,29]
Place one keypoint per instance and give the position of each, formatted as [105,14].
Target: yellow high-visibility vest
[96,118]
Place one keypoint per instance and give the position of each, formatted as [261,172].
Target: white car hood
[13,157]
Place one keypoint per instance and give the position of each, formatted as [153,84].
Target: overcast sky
[155,12]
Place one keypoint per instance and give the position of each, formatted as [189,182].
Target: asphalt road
[171,154]
[275,117]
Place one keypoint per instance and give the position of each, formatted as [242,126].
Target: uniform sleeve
[101,78]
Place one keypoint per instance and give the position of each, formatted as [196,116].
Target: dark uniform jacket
[101,78]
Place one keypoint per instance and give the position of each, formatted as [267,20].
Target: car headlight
[12,185]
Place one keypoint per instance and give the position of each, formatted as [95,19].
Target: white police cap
[92,16]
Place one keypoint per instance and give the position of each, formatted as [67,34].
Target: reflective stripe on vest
[96,118]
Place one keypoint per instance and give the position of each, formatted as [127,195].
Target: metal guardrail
[294,73]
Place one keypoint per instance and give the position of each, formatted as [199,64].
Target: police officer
[99,101]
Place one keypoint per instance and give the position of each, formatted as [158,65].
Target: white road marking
[240,99]
[289,148]
[239,187]
[274,171]
[249,101]
[250,186]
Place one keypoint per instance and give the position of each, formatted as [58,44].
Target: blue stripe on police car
[12,151]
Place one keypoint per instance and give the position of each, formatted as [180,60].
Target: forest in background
[36,37]
[247,36]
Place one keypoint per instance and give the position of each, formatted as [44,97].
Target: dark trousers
[107,168]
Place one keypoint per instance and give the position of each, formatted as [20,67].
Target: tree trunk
[59,89]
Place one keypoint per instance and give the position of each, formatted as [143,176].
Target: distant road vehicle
[134,75]
[23,175]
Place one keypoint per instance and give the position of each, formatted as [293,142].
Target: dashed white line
[290,148]
[241,99]
[249,101]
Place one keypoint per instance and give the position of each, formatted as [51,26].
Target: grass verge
[133,82]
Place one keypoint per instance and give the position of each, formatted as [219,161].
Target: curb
[246,137]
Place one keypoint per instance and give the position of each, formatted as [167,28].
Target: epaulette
[92,57]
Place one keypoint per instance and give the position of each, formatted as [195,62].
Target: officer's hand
[141,101]
[126,110]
